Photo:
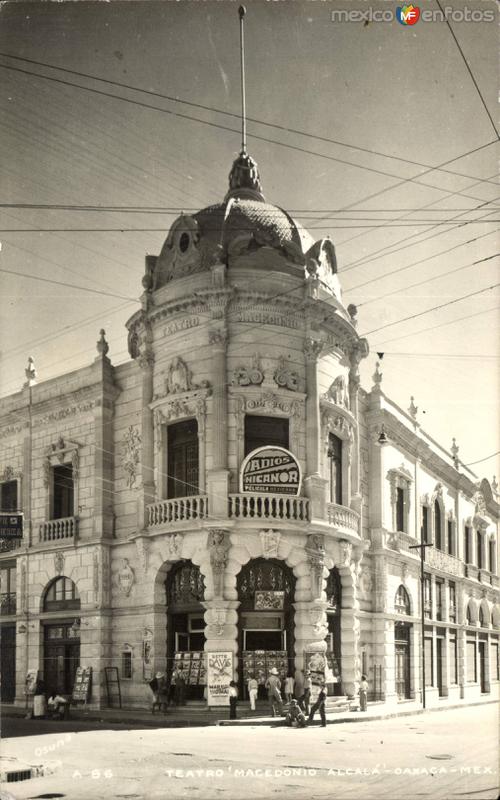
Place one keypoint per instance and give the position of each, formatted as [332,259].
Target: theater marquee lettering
[270,470]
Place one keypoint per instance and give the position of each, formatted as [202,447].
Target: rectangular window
[425,523]
[438,538]
[8,589]
[400,509]
[427,597]
[467,544]
[452,657]
[450,537]
[491,549]
[439,599]
[8,496]
[495,663]
[266,431]
[471,661]
[126,666]
[479,549]
[335,458]
[182,459]
[429,673]
[63,492]
[452,608]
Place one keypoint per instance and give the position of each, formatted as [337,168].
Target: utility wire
[254,136]
[480,461]
[243,229]
[70,285]
[171,210]
[469,70]
[439,325]
[435,308]
[211,109]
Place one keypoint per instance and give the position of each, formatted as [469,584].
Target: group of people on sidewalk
[48,704]
[165,693]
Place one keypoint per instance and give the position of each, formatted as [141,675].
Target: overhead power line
[231,114]
[480,461]
[435,308]
[439,325]
[242,228]
[69,285]
[303,212]
[414,179]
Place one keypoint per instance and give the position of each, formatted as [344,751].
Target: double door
[402,665]
[8,663]
[61,659]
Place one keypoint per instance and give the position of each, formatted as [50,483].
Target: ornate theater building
[231,500]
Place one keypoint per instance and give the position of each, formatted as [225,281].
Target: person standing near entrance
[306,697]
[253,688]
[289,684]
[319,705]
[180,688]
[233,699]
[363,693]
[273,686]
[299,687]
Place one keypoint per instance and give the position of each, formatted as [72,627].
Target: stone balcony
[444,562]
[59,530]
[471,571]
[180,509]
[269,507]
[343,519]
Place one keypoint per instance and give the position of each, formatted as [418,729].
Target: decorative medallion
[270,542]
[59,562]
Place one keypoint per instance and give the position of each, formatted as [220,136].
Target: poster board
[31,682]
[260,662]
[219,674]
[82,685]
[193,665]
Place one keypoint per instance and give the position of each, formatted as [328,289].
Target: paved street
[448,754]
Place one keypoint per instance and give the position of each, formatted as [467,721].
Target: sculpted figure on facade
[178,377]
[126,578]
[338,392]
[346,552]
[174,545]
[315,550]
[270,543]
[131,454]
[218,546]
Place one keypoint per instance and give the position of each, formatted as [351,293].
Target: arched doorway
[333,611]
[402,630]
[61,636]
[185,591]
[266,591]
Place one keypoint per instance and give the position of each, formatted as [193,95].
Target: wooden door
[8,663]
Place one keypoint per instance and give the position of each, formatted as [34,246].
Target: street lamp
[421,547]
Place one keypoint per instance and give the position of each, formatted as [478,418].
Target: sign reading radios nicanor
[272,470]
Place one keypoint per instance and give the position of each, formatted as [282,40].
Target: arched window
[335,457]
[438,533]
[62,594]
[470,615]
[402,601]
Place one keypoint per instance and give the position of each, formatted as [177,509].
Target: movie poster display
[270,470]
[219,674]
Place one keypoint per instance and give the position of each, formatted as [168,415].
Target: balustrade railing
[443,561]
[269,506]
[180,509]
[55,530]
[343,518]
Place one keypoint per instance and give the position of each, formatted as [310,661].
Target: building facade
[157,529]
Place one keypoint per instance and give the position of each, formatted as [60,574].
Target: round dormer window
[184,242]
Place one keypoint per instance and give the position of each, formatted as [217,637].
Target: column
[314,484]
[355,499]
[218,476]
[147,495]
[103,444]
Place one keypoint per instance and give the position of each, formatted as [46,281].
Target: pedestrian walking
[180,688]
[162,692]
[306,696]
[39,700]
[253,688]
[172,698]
[299,688]
[273,686]
[233,699]
[295,717]
[363,693]
[319,705]
[289,685]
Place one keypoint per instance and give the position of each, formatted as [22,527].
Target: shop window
[468,544]
[335,460]
[8,588]
[62,594]
[491,553]
[429,672]
[183,459]
[402,601]
[425,523]
[439,599]
[479,550]
[8,496]
[471,661]
[452,658]
[266,431]
[427,597]
[63,491]
[438,532]
[452,606]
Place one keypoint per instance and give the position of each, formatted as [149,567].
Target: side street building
[233,489]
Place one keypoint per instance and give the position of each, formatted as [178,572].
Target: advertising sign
[11,526]
[219,673]
[271,470]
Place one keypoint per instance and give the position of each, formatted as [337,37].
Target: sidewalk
[201,716]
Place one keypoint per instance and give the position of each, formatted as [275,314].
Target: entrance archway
[185,593]
[333,612]
[266,591]
[61,637]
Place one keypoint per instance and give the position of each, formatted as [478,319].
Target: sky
[357,114]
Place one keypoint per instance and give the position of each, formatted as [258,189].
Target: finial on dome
[244,178]
[30,372]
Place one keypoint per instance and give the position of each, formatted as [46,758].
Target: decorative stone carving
[174,545]
[142,547]
[346,552]
[377,375]
[479,502]
[126,578]
[131,454]
[95,574]
[313,349]
[218,545]
[249,376]
[338,392]
[285,377]
[178,378]
[216,620]
[315,550]
[217,337]
[102,345]
[365,581]
[59,562]
[404,572]
[412,409]
[61,452]
[317,617]
[270,543]
[8,474]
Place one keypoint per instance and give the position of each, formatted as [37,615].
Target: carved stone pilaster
[315,550]
[218,546]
